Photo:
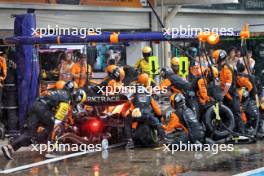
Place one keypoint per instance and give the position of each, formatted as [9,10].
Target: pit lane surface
[145,161]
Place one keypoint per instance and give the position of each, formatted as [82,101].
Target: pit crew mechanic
[46,111]
[228,85]
[182,118]
[144,109]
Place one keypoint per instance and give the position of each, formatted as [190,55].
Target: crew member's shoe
[130,144]
[8,151]
[250,131]
[162,140]
[241,127]
[260,133]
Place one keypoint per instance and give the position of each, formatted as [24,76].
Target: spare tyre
[219,129]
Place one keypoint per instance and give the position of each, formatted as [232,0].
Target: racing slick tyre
[2,131]
[219,129]
[145,135]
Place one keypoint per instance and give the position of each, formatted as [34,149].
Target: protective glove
[191,93]
[136,113]
[262,103]
[245,93]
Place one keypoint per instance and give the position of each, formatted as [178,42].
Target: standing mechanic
[228,85]
[175,65]
[79,71]
[65,68]
[143,65]
[208,88]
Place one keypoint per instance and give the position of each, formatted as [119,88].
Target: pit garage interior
[123,17]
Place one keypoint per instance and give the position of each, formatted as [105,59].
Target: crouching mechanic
[179,85]
[181,124]
[247,92]
[144,109]
[47,111]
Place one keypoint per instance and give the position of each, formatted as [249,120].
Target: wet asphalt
[145,162]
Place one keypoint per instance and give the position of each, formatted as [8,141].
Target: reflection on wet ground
[119,162]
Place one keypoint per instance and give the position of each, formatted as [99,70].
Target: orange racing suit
[173,123]
[231,97]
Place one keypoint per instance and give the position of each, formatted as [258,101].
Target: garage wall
[105,20]
[83,17]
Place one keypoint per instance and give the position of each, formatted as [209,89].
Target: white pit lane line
[52,160]
[251,172]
